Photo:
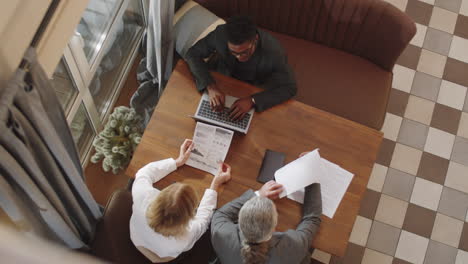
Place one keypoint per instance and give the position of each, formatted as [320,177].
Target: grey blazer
[292,246]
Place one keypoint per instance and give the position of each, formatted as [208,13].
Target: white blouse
[143,194]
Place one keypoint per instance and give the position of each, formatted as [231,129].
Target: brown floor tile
[397,102]
[102,184]
[369,204]
[354,254]
[461,28]
[399,261]
[410,57]
[419,11]
[456,71]
[433,168]
[446,118]
[464,238]
[419,220]
[386,152]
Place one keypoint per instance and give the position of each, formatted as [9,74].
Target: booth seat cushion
[338,82]
[112,239]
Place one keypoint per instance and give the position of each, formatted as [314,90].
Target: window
[95,65]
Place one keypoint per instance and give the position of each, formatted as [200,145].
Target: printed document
[211,147]
[311,168]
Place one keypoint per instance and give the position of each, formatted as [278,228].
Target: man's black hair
[240,29]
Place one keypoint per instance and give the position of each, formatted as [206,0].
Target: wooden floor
[102,184]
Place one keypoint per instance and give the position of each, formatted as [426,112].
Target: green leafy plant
[116,143]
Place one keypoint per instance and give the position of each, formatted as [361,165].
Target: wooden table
[291,127]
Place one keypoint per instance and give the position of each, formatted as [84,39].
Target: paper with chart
[333,179]
[211,146]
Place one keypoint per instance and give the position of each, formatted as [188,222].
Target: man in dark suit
[240,50]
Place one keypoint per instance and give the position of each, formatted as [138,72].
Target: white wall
[19,21]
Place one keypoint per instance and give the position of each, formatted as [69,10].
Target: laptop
[205,114]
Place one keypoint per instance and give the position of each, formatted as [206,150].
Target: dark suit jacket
[271,72]
[292,246]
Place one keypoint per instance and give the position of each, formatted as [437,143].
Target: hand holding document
[300,173]
[211,147]
[311,168]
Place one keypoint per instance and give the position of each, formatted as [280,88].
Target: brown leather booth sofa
[342,51]
[112,238]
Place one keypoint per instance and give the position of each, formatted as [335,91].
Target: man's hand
[271,190]
[217,97]
[240,107]
[184,152]
[223,176]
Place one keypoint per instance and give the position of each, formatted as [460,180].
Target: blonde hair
[170,213]
[257,221]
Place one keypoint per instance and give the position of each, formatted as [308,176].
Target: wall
[19,21]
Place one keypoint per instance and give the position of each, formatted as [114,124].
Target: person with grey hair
[243,231]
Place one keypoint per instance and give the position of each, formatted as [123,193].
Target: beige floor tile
[399,184]
[377,178]
[360,231]
[447,230]
[426,86]
[321,256]
[438,253]
[426,194]
[418,39]
[432,63]
[463,126]
[459,49]
[462,257]
[457,177]
[400,4]
[439,143]
[438,41]
[443,19]
[403,78]
[464,8]
[391,126]
[406,159]
[453,203]
[411,247]
[391,211]
[419,109]
[373,257]
[452,94]
[383,238]
[428,1]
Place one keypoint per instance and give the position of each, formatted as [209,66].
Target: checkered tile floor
[415,207]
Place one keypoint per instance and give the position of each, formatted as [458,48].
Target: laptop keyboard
[223,116]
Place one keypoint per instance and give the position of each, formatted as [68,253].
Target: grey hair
[257,221]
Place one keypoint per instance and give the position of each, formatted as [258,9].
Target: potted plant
[116,143]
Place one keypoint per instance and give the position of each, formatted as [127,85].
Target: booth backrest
[364,28]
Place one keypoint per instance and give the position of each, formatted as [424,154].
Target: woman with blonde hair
[166,223]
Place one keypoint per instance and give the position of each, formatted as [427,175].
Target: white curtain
[160,42]
[159,58]
[42,189]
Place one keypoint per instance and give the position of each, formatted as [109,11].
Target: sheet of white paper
[333,183]
[299,173]
[211,146]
